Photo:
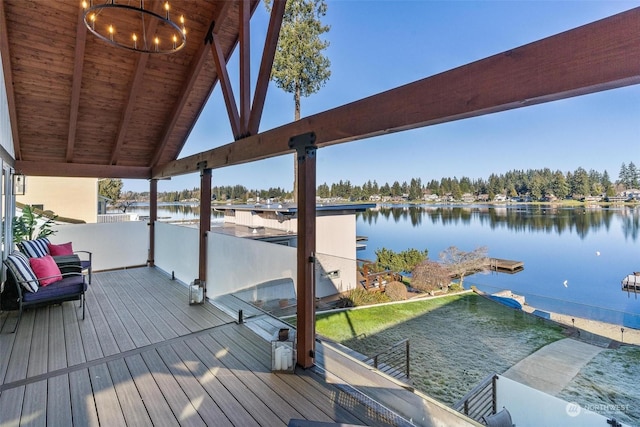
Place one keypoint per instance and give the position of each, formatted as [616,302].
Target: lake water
[592,249]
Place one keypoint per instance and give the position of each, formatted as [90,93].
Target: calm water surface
[593,249]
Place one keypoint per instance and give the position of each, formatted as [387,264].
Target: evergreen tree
[324,191]
[415,189]
[607,186]
[580,183]
[299,66]
[623,175]
[110,188]
[559,186]
[633,176]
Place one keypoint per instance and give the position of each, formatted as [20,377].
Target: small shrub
[456,287]
[358,297]
[396,291]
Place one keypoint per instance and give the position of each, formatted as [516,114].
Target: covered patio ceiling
[80,107]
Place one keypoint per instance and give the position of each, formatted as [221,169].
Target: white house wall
[75,198]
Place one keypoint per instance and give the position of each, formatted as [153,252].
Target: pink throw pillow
[63,249]
[46,270]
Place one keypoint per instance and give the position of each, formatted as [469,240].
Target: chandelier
[134,27]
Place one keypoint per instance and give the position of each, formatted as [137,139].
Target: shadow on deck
[144,356]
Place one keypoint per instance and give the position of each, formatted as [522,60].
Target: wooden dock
[631,283]
[504,265]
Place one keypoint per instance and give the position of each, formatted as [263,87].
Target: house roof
[81,107]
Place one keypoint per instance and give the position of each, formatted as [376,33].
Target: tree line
[535,183]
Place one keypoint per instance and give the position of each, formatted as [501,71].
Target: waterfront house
[75,106]
[70,197]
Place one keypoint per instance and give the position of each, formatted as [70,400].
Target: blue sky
[379,45]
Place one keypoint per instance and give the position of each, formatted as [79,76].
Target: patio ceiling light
[134,28]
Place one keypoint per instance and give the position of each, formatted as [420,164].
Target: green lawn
[456,341]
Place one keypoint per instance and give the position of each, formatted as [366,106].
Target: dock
[631,283]
[504,265]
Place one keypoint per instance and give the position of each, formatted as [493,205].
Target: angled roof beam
[245,64]
[196,66]
[227,90]
[76,84]
[268,54]
[8,81]
[598,56]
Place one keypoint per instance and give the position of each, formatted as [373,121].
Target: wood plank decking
[143,356]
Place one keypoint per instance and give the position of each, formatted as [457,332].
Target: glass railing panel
[113,245]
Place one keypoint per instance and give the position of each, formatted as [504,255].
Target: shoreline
[608,330]
[596,327]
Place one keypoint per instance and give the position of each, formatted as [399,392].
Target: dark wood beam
[221,17]
[306,248]
[205,223]
[264,74]
[598,56]
[8,81]
[245,64]
[153,217]
[76,84]
[48,168]
[227,90]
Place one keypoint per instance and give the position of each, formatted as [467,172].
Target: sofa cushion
[21,270]
[46,270]
[71,287]
[58,250]
[35,248]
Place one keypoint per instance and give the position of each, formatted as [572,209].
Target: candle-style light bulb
[135,41]
[111,30]
[84,4]
[157,41]
[175,40]
[166,7]
[93,20]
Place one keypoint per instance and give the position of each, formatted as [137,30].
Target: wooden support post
[205,221]
[306,160]
[153,217]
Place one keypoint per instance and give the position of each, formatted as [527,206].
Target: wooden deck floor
[143,356]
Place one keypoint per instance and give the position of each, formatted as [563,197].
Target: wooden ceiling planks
[89,108]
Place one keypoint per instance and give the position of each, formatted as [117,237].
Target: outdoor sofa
[42,280]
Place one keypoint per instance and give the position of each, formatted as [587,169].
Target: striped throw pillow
[35,248]
[21,269]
